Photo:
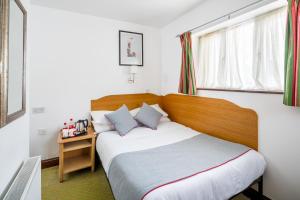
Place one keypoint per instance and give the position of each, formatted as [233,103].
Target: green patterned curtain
[292,53]
[187,82]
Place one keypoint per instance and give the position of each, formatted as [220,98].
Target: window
[245,56]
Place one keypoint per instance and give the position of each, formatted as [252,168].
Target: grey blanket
[132,175]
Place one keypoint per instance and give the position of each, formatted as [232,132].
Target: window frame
[220,27]
[242,91]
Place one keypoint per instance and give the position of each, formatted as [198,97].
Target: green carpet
[81,185]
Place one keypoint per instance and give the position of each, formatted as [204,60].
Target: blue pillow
[122,120]
[148,116]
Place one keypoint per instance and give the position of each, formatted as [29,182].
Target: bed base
[261,187]
[253,194]
[220,118]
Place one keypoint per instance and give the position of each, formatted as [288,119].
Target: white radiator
[27,183]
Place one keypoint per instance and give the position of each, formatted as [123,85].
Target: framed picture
[130,48]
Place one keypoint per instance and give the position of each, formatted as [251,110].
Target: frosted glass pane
[15,62]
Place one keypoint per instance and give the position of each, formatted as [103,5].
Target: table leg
[61,163]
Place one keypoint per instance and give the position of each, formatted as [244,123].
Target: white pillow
[165,119]
[155,106]
[102,124]
[133,112]
[99,117]
[100,128]
[158,108]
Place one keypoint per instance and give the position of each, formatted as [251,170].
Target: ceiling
[157,13]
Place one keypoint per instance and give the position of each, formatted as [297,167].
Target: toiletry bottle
[65,130]
[65,125]
[71,128]
[71,124]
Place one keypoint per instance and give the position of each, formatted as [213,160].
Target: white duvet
[219,183]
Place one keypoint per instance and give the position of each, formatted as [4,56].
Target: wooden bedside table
[76,153]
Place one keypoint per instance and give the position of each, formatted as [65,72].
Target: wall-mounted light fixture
[132,72]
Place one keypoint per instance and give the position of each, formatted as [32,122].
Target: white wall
[75,60]
[278,125]
[14,138]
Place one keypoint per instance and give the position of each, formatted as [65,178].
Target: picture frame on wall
[131,52]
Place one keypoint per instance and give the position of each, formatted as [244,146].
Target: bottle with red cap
[65,130]
[71,127]
[65,125]
[71,124]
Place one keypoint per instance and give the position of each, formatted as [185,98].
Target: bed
[193,120]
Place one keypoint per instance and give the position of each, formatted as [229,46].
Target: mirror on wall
[12,60]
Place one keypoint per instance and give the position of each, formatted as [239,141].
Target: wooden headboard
[216,117]
[113,102]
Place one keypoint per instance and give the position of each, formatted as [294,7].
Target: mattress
[221,182]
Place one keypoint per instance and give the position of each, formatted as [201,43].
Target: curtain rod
[227,15]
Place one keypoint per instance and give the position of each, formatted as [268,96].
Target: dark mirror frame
[4,62]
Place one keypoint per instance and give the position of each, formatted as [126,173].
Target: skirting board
[50,162]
